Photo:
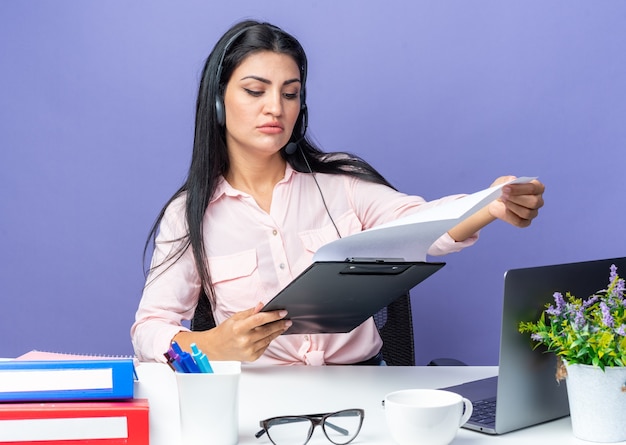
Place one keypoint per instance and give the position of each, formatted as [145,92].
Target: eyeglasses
[340,427]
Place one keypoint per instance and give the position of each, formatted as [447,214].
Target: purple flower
[619,289]
[607,318]
[590,301]
[621,330]
[560,303]
[579,319]
[536,337]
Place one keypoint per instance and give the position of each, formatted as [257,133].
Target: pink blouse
[253,254]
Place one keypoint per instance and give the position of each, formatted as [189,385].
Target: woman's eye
[291,96]
[253,92]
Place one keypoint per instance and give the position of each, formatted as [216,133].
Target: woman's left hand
[519,203]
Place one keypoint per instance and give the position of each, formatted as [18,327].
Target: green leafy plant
[590,331]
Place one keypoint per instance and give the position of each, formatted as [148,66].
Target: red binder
[74,423]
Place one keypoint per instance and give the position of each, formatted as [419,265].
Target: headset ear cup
[220,113]
[305,122]
[303,98]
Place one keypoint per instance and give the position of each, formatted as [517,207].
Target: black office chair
[203,315]
[394,322]
[395,325]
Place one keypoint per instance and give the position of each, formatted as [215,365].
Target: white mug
[425,416]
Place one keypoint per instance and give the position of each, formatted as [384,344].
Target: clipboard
[337,296]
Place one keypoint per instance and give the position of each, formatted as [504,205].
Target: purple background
[96,124]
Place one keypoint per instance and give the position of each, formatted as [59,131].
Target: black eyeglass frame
[315,419]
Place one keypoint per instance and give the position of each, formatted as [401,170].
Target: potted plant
[589,338]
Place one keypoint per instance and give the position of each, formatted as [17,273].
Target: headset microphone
[291,147]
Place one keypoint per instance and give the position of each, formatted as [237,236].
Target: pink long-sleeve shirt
[253,254]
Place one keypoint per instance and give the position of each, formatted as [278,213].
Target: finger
[270,330]
[248,312]
[267,334]
[529,188]
[263,318]
[531,202]
[519,215]
[257,320]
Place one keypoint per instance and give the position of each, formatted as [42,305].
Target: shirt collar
[225,189]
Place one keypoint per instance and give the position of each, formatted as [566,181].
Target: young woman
[258,201]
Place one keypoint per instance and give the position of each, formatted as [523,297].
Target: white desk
[273,391]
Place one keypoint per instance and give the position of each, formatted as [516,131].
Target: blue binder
[62,380]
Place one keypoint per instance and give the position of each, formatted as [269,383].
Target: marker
[201,359]
[176,348]
[173,363]
[186,359]
[177,361]
[188,362]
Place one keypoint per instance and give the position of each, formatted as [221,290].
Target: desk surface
[273,391]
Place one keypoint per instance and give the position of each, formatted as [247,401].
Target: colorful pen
[176,353]
[173,363]
[176,348]
[185,359]
[177,361]
[201,359]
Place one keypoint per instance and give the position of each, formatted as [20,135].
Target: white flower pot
[597,401]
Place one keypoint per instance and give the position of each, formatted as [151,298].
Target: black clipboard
[337,296]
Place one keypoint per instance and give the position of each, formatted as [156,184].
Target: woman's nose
[274,104]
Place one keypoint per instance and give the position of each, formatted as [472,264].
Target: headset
[220,112]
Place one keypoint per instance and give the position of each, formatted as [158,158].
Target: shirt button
[281,265]
[306,338]
[274,232]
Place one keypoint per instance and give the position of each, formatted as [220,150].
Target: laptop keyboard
[484,412]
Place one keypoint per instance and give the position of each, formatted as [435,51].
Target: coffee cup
[425,416]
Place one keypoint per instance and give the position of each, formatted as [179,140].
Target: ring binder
[57,380]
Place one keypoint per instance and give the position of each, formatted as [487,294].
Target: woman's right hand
[243,337]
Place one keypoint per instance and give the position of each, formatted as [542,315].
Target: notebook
[526,392]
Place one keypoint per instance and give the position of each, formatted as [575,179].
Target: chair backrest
[203,315]
[394,323]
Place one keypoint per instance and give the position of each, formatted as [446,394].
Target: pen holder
[209,405]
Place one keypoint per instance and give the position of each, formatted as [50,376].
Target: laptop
[526,392]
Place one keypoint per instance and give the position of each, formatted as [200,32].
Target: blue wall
[96,123]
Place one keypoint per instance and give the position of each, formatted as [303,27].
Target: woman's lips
[271,129]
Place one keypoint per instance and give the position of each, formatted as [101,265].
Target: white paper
[409,238]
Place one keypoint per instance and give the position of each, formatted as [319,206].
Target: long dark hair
[210,160]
